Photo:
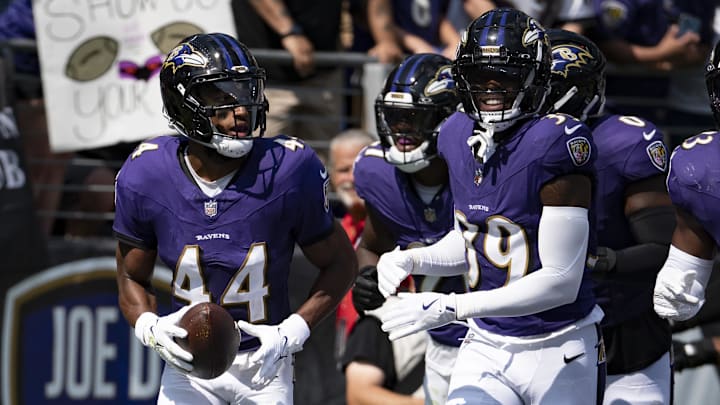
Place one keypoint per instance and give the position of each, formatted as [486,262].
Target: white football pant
[649,386]
[232,387]
[559,369]
[439,363]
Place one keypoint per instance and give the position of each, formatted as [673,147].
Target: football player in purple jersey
[522,187]
[693,186]
[635,220]
[407,197]
[225,207]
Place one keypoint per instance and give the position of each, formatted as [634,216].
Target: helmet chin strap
[414,167]
[409,162]
[481,141]
[228,147]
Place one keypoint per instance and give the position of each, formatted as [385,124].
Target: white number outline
[515,236]
[632,120]
[247,286]
[701,139]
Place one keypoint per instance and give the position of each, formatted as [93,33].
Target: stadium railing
[362,85]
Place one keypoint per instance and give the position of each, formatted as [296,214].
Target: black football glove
[604,265]
[365,294]
[693,354]
[606,259]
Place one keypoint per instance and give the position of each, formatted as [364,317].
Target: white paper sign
[100,63]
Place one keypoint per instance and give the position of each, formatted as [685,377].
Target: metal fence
[360,92]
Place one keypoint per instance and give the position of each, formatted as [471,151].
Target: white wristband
[680,260]
[143,323]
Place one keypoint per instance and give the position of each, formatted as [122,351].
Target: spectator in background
[645,32]
[688,110]
[344,148]
[401,27]
[305,98]
[572,15]
[661,36]
[51,173]
[25,250]
[383,372]
[22,239]
[26,97]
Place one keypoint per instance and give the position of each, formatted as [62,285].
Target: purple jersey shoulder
[633,145]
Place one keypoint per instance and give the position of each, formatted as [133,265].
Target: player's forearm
[562,246]
[367,394]
[366,257]
[134,275]
[652,228]
[330,287]
[275,14]
[336,260]
[624,52]
[134,299]
[380,21]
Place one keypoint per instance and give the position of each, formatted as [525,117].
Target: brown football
[212,339]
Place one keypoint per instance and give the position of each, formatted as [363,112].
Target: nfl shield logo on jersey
[478,176]
[579,149]
[430,215]
[211,208]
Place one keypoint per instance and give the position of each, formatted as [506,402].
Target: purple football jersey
[410,221]
[693,181]
[233,249]
[628,149]
[498,207]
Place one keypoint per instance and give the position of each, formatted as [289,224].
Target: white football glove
[416,312]
[393,267]
[678,295]
[159,333]
[276,343]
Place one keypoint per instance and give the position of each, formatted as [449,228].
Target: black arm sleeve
[652,229]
